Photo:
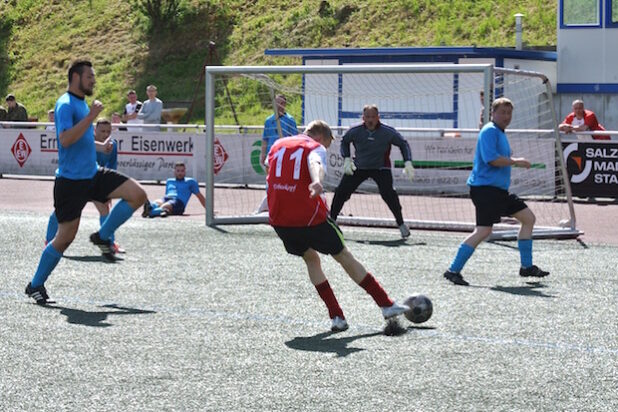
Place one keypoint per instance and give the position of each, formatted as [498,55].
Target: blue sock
[120,213]
[463,254]
[525,252]
[49,260]
[52,227]
[156,211]
[102,220]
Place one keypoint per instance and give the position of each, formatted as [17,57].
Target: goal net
[436,108]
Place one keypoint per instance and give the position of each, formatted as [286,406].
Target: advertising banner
[592,168]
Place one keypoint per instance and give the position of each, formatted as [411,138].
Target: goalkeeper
[372,142]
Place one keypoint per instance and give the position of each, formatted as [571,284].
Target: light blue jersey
[181,189]
[271,133]
[79,160]
[492,144]
[109,160]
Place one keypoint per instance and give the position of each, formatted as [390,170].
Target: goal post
[437,110]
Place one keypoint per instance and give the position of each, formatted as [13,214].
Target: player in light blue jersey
[178,191]
[79,179]
[489,184]
[107,156]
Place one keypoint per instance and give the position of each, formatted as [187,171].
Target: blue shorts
[178,208]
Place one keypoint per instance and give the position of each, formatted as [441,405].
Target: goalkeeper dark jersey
[373,147]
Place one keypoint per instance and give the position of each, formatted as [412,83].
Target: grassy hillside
[39,38]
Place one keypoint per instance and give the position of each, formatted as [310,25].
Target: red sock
[371,286]
[327,295]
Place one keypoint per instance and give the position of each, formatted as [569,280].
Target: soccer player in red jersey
[299,215]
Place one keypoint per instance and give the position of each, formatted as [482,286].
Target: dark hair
[370,107]
[78,67]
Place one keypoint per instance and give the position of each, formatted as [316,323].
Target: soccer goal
[437,108]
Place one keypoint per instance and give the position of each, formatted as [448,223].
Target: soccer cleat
[39,294]
[456,278]
[533,271]
[106,246]
[117,249]
[394,310]
[339,324]
[405,232]
[163,213]
[147,209]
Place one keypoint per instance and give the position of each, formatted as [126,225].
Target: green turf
[201,319]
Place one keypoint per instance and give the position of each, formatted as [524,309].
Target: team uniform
[300,221]
[178,192]
[489,185]
[372,160]
[78,177]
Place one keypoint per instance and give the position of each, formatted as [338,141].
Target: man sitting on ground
[177,194]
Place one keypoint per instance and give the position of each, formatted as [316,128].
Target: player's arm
[504,161]
[69,136]
[317,164]
[201,198]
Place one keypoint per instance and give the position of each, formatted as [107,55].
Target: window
[585,13]
[611,11]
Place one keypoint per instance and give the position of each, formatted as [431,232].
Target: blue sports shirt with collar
[109,160]
[492,143]
[181,189]
[271,133]
[79,160]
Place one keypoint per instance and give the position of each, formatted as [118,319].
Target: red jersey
[289,204]
[590,120]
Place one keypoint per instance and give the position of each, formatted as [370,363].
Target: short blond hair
[501,101]
[319,127]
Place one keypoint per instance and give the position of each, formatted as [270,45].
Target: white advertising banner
[442,164]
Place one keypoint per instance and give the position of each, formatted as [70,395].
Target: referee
[372,142]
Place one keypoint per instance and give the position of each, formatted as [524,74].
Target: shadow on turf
[531,289]
[336,345]
[320,343]
[387,243]
[98,318]
[92,258]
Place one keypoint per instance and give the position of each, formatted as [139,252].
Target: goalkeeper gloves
[408,170]
[348,166]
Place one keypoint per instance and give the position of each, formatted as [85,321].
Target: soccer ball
[421,308]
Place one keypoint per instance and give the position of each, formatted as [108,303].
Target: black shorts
[491,203]
[325,238]
[70,196]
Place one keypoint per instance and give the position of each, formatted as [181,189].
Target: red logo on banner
[21,150]
[220,156]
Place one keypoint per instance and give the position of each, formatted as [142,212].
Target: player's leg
[110,184]
[52,228]
[524,243]
[296,242]
[163,209]
[384,180]
[49,260]
[327,238]
[347,186]
[488,204]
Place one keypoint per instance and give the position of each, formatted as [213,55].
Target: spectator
[131,110]
[282,125]
[50,119]
[2,114]
[581,120]
[16,112]
[150,113]
[116,119]
[177,194]
[372,141]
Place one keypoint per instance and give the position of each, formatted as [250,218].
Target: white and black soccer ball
[421,308]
